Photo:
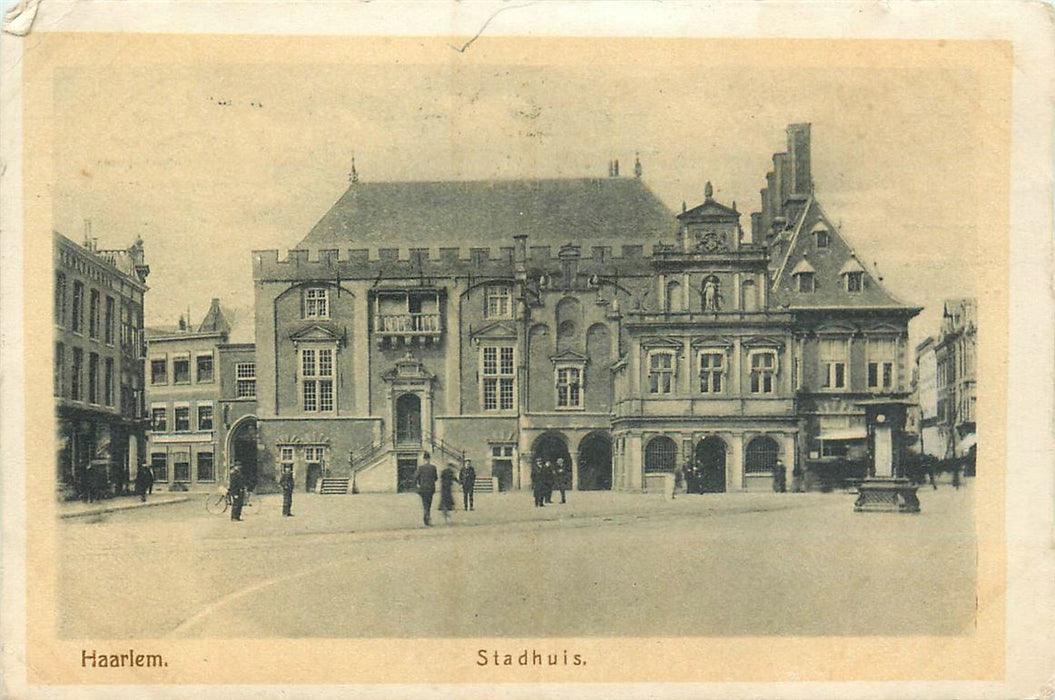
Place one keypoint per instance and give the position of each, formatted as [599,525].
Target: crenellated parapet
[396,263]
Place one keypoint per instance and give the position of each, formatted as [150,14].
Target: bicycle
[219,503]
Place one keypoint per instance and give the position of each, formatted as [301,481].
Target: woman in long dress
[447,478]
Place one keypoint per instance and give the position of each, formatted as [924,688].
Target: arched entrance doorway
[549,447]
[710,466]
[595,462]
[243,449]
[761,455]
[408,419]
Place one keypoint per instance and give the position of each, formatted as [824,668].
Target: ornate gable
[499,330]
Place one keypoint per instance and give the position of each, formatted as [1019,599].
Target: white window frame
[311,379]
[190,372]
[163,359]
[565,369]
[504,383]
[175,409]
[801,277]
[772,372]
[242,376]
[721,370]
[882,354]
[317,302]
[212,415]
[164,409]
[671,372]
[197,373]
[829,362]
[854,274]
[500,294]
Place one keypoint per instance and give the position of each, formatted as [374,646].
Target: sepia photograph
[519,348]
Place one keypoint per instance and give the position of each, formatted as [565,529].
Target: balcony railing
[408,328]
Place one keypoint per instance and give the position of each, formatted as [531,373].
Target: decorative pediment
[661,342]
[883,329]
[408,368]
[316,333]
[312,439]
[568,357]
[499,330]
[712,341]
[763,342]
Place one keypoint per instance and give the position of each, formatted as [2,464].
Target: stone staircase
[334,486]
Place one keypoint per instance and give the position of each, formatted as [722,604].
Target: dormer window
[822,238]
[805,279]
[854,281]
[853,276]
[498,301]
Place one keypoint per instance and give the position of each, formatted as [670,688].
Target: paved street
[604,564]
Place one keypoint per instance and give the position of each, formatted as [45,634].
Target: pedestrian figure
[236,491]
[425,480]
[286,482]
[780,477]
[547,480]
[150,479]
[447,479]
[536,484]
[467,477]
[956,475]
[563,478]
[89,482]
[143,480]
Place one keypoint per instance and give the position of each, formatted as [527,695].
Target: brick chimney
[798,156]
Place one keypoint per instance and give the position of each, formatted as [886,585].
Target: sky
[208,158]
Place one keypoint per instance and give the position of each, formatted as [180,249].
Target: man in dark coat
[286,482]
[467,477]
[143,481]
[425,477]
[547,481]
[562,478]
[236,490]
[536,483]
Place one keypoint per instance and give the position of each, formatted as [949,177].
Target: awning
[847,434]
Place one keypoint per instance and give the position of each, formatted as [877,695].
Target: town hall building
[580,319]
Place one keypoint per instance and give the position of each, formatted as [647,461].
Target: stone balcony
[408,328]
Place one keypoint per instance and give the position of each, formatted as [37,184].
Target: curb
[113,509]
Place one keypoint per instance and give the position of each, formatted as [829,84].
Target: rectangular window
[182,418]
[498,301]
[712,371]
[93,313]
[245,376]
[569,387]
[313,454]
[93,378]
[806,283]
[661,373]
[77,316]
[76,388]
[59,379]
[108,382]
[287,455]
[497,378]
[181,467]
[203,368]
[832,353]
[763,372]
[159,464]
[317,379]
[205,417]
[108,322]
[882,353]
[159,372]
[206,470]
[181,370]
[159,418]
[60,299]
[316,303]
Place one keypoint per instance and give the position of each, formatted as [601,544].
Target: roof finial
[637,166]
[353,176]
[683,207]
[708,191]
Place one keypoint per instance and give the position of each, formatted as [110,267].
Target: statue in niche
[712,298]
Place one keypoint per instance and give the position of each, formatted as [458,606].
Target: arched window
[761,455]
[660,455]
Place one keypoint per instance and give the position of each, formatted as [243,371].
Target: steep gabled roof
[215,320]
[829,265]
[600,211]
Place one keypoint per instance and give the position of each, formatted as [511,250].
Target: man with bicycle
[236,491]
